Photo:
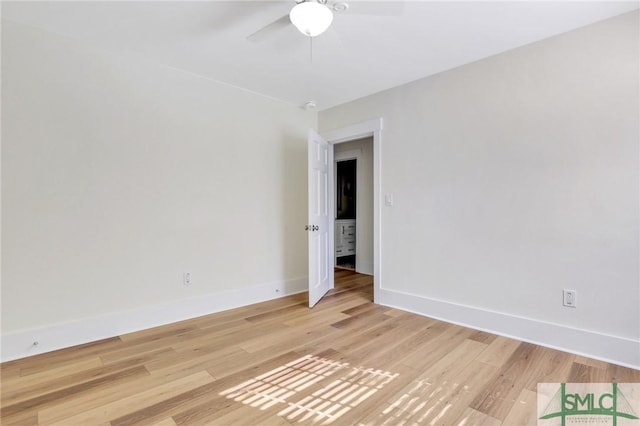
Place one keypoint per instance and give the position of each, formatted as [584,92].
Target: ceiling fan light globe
[311,18]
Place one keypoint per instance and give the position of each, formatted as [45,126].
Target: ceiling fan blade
[375,8]
[268,30]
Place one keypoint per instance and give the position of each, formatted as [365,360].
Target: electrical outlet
[186,278]
[569,298]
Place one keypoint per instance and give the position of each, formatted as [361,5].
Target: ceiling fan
[314,17]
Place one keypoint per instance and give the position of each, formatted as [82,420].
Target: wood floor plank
[498,351]
[447,337]
[37,403]
[238,414]
[462,390]
[471,417]
[438,400]
[363,320]
[65,357]
[50,386]
[21,418]
[211,338]
[278,314]
[524,411]
[275,389]
[483,337]
[106,396]
[158,333]
[136,348]
[620,374]
[582,373]
[20,383]
[372,346]
[494,401]
[448,366]
[523,368]
[9,370]
[325,318]
[165,422]
[288,336]
[553,366]
[247,311]
[591,362]
[188,360]
[344,362]
[158,394]
[340,393]
[204,404]
[395,354]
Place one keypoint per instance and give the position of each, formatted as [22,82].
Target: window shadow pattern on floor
[311,388]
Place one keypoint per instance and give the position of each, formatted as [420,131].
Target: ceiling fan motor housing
[311,18]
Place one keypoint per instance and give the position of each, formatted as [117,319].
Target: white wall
[364,201]
[513,178]
[119,175]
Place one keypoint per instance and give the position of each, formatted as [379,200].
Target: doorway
[353,205]
[345,222]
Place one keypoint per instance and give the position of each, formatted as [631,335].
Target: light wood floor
[345,362]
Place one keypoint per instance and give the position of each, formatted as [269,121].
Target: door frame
[370,128]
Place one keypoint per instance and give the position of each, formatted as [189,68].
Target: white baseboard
[614,349]
[20,344]
[605,347]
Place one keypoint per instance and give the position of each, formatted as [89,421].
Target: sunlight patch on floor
[423,402]
[350,386]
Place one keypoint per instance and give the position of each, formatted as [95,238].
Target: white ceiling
[391,44]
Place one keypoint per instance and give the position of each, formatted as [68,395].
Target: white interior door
[319,220]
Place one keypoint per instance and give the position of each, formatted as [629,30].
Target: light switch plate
[569,298]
